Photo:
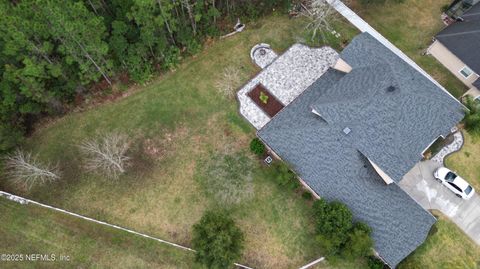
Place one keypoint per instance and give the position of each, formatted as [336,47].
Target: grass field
[448,247]
[184,134]
[411,25]
[29,229]
[466,162]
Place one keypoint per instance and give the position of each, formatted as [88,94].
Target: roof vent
[391,89]
[346,130]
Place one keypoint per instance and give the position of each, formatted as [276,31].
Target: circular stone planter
[262,55]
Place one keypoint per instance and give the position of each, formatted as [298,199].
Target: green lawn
[466,162]
[185,135]
[448,247]
[411,26]
[30,229]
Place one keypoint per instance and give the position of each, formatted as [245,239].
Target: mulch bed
[272,107]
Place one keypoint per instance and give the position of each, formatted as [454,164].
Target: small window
[455,186]
[466,72]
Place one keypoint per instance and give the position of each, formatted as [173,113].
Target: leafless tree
[321,15]
[228,82]
[107,154]
[25,170]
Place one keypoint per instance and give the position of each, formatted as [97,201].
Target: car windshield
[468,190]
[450,177]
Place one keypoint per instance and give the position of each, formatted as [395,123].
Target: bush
[217,240]
[307,195]
[359,242]
[257,147]
[472,116]
[333,221]
[444,8]
[375,263]
[9,138]
[337,234]
[284,177]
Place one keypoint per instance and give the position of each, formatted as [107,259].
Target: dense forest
[53,51]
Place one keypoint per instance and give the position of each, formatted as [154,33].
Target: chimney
[342,66]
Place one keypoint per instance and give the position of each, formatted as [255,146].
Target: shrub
[472,116]
[26,170]
[107,154]
[375,263]
[217,240]
[337,234]
[444,8]
[257,147]
[307,195]
[10,137]
[229,81]
[171,58]
[359,242]
[284,177]
[333,221]
[263,97]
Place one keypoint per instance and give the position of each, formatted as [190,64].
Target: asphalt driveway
[420,184]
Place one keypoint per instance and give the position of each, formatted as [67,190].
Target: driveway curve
[420,184]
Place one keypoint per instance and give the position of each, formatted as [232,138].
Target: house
[457,47]
[456,10]
[355,132]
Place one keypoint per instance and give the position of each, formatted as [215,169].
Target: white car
[456,184]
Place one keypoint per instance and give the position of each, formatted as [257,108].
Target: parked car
[456,184]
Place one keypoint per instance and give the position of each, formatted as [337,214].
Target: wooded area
[54,51]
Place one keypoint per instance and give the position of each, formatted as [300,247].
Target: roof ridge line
[462,33]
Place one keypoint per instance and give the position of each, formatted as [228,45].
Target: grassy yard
[189,147]
[29,229]
[448,247]
[466,162]
[411,26]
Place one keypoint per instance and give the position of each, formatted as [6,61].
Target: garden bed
[265,100]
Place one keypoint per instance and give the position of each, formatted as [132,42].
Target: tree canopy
[337,234]
[217,240]
[52,51]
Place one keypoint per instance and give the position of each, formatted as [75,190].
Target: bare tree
[107,154]
[228,82]
[321,15]
[25,170]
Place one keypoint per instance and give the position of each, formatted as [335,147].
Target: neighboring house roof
[391,128]
[462,38]
[477,83]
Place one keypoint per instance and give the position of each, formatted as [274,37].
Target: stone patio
[286,78]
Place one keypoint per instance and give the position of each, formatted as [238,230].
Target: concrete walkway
[363,26]
[420,184]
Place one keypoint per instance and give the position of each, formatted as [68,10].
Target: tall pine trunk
[166,21]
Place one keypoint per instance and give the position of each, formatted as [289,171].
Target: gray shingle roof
[477,83]
[463,38]
[386,103]
[333,163]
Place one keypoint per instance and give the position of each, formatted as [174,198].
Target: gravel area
[286,78]
[456,145]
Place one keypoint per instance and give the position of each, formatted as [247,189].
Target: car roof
[461,183]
